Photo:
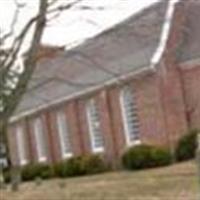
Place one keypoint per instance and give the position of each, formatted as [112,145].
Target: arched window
[96,136]
[40,140]
[63,132]
[129,114]
[21,145]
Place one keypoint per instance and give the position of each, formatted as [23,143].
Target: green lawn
[177,182]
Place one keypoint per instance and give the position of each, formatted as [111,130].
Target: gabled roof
[120,50]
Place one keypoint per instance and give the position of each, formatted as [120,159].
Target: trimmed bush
[186,146]
[70,167]
[33,171]
[145,156]
[94,164]
[76,166]
[7,175]
[80,165]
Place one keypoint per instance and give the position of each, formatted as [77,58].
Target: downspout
[188,112]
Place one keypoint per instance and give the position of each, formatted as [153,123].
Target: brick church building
[138,82]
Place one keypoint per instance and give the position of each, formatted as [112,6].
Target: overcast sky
[75,25]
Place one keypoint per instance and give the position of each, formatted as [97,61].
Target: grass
[177,182]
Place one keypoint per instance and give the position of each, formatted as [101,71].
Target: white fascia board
[164,34]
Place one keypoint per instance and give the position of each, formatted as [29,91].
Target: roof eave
[92,89]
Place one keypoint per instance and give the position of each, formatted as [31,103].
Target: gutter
[154,61]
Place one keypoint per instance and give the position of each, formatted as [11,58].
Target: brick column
[51,138]
[29,140]
[84,129]
[12,146]
[116,120]
[74,128]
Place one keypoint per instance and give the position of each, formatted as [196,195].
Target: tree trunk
[198,157]
[30,65]
[4,147]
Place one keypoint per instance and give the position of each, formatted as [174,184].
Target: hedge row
[76,166]
[137,157]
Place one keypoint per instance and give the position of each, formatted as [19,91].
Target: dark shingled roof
[191,45]
[124,48]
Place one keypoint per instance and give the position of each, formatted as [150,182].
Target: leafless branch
[10,33]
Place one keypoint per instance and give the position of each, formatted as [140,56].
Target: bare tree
[14,81]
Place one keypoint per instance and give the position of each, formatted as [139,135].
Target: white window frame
[129,142]
[40,139]
[21,145]
[62,128]
[91,102]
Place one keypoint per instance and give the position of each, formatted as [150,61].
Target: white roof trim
[77,94]
[165,33]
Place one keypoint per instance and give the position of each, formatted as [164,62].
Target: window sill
[42,159]
[68,155]
[98,150]
[23,162]
[134,143]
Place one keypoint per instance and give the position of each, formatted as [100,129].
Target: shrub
[94,164]
[70,167]
[80,165]
[7,175]
[74,166]
[186,146]
[145,156]
[60,169]
[32,171]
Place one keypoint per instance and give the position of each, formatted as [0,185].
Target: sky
[75,25]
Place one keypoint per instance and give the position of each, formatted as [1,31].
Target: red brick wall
[83,124]
[160,113]
[106,126]
[74,128]
[53,135]
[117,122]
[173,103]
[150,110]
